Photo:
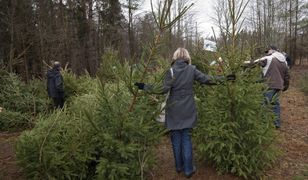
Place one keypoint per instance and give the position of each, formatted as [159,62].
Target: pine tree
[235,131]
[107,131]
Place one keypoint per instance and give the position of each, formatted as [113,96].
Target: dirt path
[165,167]
[293,142]
[294,131]
[8,167]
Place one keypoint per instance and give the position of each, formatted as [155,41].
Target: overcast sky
[203,10]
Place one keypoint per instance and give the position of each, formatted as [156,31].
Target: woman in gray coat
[181,114]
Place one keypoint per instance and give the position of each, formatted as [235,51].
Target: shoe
[192,173]
[179,170]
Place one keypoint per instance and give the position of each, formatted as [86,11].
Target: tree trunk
[259,24]
[295,32]
[130,29]
[11,57]
[265,33]
[290,28]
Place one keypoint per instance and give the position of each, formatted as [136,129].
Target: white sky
[203,10]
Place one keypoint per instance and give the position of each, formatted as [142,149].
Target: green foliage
[77,85]
[128,136]
[36,94]
[15,95]
[110,62]
[13,121]
[95,137]
[61,146]
[235,130]
[304,84]
[100,135]
[202,59]
[126,152]
[21,101]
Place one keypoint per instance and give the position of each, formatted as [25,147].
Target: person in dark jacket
[288,59]
[181,114]
[276,73]
[55,85]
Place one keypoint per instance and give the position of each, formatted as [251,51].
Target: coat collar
[180,63]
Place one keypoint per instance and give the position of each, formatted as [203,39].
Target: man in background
[55,85]
[288,59]
[276,73]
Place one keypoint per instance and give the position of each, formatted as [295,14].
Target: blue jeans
[272,96]
[182,150]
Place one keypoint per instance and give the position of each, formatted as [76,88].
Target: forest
[108,128]
[79,32]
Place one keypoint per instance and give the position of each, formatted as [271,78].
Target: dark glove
[139,85]
[231,77]
[260,81]
[249,66]
[211,83]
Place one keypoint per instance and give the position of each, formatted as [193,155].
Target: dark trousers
[272,97]
[182,150]
[58,102]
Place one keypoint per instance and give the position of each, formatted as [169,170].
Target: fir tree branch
[160,21]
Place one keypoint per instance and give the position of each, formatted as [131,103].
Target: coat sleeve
[203,78]
[167,84]
[262,62]
[286,80]
[48,85]
[59,83]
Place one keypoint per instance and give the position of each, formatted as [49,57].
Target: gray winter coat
[180,108]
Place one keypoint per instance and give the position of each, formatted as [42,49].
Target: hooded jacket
[55,83]
[275,71]
[180,107]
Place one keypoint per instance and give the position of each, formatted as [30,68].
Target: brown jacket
[276,71]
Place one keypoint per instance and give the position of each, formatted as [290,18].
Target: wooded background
[34,33]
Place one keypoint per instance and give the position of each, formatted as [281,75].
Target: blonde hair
[181,53]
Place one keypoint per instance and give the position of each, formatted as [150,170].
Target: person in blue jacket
[55,85]
[181,114]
